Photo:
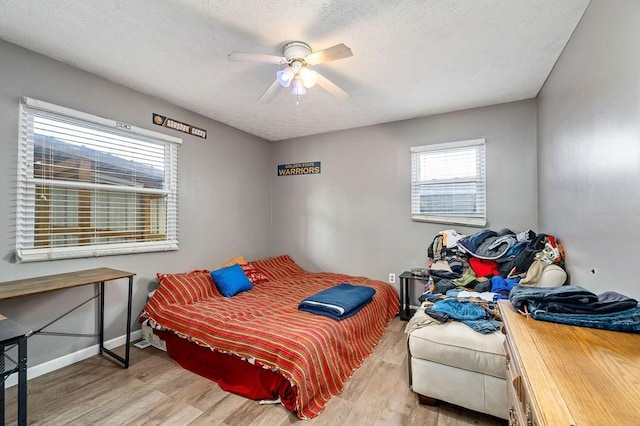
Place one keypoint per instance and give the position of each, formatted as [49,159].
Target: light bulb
[285,76]
[309,77]
[298,87]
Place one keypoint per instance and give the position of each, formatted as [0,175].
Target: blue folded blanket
[338,302]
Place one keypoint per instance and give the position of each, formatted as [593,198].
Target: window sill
[43,254]
[467,221]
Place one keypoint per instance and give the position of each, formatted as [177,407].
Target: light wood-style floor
[156,390]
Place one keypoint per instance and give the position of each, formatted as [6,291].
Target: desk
[11,334]
[405,295]
[566,375]
[49,283]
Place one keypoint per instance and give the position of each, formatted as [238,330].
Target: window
[88,186]
[448,183]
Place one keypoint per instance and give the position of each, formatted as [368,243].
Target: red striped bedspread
[315,353]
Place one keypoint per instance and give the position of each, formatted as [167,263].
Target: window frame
[477,220]
[28,248]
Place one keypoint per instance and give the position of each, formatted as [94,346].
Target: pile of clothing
[575,305]
[481,315]
[490,261]
[475,271]
[467,274]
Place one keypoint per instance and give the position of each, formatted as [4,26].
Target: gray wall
[224,198]
[354,217]
[589,148]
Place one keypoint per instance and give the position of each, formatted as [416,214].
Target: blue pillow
[231,280]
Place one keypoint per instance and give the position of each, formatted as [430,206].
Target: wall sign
[299,169]
[163,121]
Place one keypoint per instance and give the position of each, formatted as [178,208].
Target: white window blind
[448,183]
[89,186]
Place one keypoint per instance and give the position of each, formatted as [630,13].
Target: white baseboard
[72,358]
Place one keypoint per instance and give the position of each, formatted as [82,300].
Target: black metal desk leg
[125,360]
[126,356]
[2,367]
[101,318]
[22,381]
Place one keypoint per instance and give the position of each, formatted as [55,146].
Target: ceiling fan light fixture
[298,87]
[294,72]
[285,77]
[309,77]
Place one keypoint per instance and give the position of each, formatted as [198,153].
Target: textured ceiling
[410,58]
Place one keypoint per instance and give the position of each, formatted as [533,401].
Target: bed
[257,343]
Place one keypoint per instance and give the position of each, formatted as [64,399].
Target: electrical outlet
[392,278]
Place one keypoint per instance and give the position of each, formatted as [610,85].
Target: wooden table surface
[592,376]
[44,284]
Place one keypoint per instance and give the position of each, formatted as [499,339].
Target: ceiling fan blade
[339,51]
[270,93]
[330,87]
[256,57]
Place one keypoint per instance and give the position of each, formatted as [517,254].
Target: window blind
[89,186]
[448,183]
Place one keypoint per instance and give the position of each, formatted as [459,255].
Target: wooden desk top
[44,284]
[576,375]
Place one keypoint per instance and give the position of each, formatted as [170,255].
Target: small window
[88,186]
[448,183]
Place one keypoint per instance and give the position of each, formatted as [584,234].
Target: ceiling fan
[297,56]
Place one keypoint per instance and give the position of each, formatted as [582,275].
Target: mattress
[316,355]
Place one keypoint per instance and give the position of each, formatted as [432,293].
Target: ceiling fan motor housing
[296,50]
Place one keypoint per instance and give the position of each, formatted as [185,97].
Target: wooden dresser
[565,375]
